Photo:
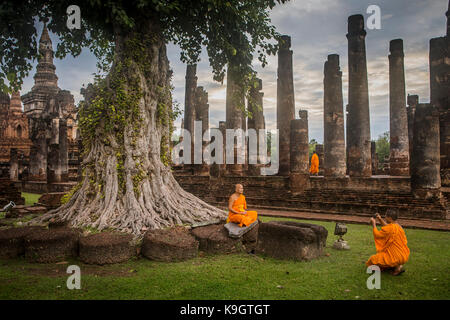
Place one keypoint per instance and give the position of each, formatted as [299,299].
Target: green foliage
[120,157]
[312,147]
[90,230]
[115,104]
[232,30]
[383,146]
[138,178]
[269,142]
[30,198]
[65,198]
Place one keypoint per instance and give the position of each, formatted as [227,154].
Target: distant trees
[382,146]
[312,147]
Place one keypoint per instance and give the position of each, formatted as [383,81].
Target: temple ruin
[349,181]
[40,146]
[15,143]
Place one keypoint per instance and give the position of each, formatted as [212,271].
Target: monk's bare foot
[398,270]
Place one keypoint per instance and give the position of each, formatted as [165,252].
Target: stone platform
[438,225]
[291,240]
[338,196]
[42,187]
[9,192]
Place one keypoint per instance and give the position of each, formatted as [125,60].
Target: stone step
[362,202]
[327,211]
[349,208]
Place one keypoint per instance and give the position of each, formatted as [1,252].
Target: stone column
[358,125]
[63,151]
[38,151]
[202,114]
[256,122]
[299,149]
[333,119]
[235,104]
[54,167]
[425,164]
[448,19]
[285,102]
[13,165]
[54,155]
[413,101]
[189,105]
[223,166]
[373,149]
[440,97]
[399,145]
[181,127]
[346,134]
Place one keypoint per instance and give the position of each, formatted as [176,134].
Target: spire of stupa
[45,78]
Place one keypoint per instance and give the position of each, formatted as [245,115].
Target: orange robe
[391,245]
[314,168]
[240,205]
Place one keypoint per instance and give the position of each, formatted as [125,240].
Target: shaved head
[239,188]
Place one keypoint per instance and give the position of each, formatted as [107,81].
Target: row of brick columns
[415,127]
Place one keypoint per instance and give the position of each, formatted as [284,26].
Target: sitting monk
[390,242]
[238,209]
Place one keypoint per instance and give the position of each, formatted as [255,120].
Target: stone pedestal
[291,240]
[341,245]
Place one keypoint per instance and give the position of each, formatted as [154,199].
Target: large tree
[126,117]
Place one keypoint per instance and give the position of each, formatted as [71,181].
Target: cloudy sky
[317,28]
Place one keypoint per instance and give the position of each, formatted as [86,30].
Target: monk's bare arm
[383,223]
[373,223]
[230,206]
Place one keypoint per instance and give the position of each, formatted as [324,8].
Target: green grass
[341,275]
[30,198]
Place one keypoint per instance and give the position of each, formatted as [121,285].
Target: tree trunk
[127,183]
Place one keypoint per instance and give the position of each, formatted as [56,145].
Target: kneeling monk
[238,209]
[390,242]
